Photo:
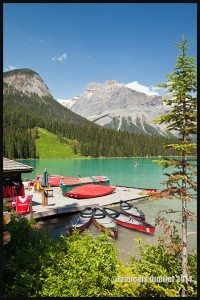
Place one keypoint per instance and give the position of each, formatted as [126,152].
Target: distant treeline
[22,115]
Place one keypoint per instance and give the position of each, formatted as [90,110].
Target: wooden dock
[59,204]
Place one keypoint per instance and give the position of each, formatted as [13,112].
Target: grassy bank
[49,146]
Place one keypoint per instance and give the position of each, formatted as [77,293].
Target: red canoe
[82,220]
[55,180]
[130,222]
[90,191]
[131,210]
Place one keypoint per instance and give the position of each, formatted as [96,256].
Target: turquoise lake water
[124,172]
[120,171]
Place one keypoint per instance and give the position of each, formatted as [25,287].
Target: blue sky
[70,45]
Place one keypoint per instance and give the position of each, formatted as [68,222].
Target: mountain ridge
[113,105]
[24,111]
[26,84]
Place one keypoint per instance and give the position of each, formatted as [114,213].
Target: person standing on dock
[61,183]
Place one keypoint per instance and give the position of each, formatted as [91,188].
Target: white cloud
[10,68]
[141,88]
[60,58]
[155,88]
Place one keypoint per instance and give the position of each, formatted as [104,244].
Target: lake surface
[120,171]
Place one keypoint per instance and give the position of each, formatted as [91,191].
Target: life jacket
[4,192]
[23,204]
[37,185]
[7,191]
[21,190]
[12,191]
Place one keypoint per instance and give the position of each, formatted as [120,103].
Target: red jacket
[23,204]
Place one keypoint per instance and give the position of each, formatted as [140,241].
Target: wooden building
[13,169]
[12,179]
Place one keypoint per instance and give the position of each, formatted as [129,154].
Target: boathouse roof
[13,166]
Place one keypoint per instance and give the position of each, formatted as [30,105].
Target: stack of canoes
[99,217]
[54,180]
[106,219]
[100,179]
[85,180]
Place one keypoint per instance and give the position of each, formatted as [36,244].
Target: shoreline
[120,157]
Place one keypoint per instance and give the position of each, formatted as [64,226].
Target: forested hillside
[23,113]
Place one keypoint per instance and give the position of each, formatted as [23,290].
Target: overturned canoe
[90,191]
[55,181]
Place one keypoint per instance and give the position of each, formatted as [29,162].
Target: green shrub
[83,268]
[22,257]
[157,273]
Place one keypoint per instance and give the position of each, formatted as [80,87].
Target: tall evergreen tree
[181,85]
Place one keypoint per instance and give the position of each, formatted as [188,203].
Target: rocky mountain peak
[111,82]
[112,104]
[25,81]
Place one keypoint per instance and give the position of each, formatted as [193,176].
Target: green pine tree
[181,85]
